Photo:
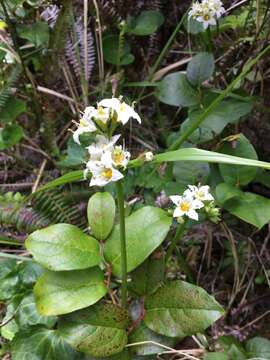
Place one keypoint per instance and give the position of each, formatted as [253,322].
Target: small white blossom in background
[186,205]
[199,192]
[207,12]
[192,199]
[123,110]
[148,156]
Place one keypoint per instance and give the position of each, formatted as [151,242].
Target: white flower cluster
[94,119]
[106,159]
[191,200]
[207,12]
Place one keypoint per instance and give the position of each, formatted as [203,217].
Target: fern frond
[8,89]
[53,206]
[75,51]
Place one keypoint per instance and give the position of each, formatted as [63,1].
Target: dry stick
[54,93]
[99,43]
[255,320]
[40,172]
[260,261]
[169,349]
[236,263]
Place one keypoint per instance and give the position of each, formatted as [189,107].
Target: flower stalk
[121,207]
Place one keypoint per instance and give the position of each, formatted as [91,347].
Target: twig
[40,172]
[54,93]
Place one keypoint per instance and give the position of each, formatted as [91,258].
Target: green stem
[181,260]
[184,266]
[121,207]
[166,47]
[178,234]
[217,101]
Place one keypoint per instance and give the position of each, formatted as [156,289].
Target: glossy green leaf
[27,314]
[179,309]
[62,292]
[192,154]
[10,136]
[111,51]
[146,229]
[146,23]
[63,247]
[235,175]
[39,343]
[252,208]
[200,68]
[141,334]
[229,111]
[148,276]
[258,347]
[98,331]
[101,214]
[174,89]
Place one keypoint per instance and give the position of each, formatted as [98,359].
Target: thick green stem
[121,207]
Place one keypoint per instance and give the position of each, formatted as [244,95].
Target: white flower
[186,205]
[216,6]
[123,110]
[199,192]
[101,145]
[195,10]
[84,126]
[207,12]
[103,171]
[120,157]
[206,18]
[148,156]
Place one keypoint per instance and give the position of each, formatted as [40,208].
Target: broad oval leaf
[258,347]
[111,51]
[98,331]
[63,247]
[234,175]
[174,89]
[62,292]
[193,154]
[252,208]
[101,214]
[179,309]
[146,229]
[200,68]
[146,23]
[39,343]
[148,276]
